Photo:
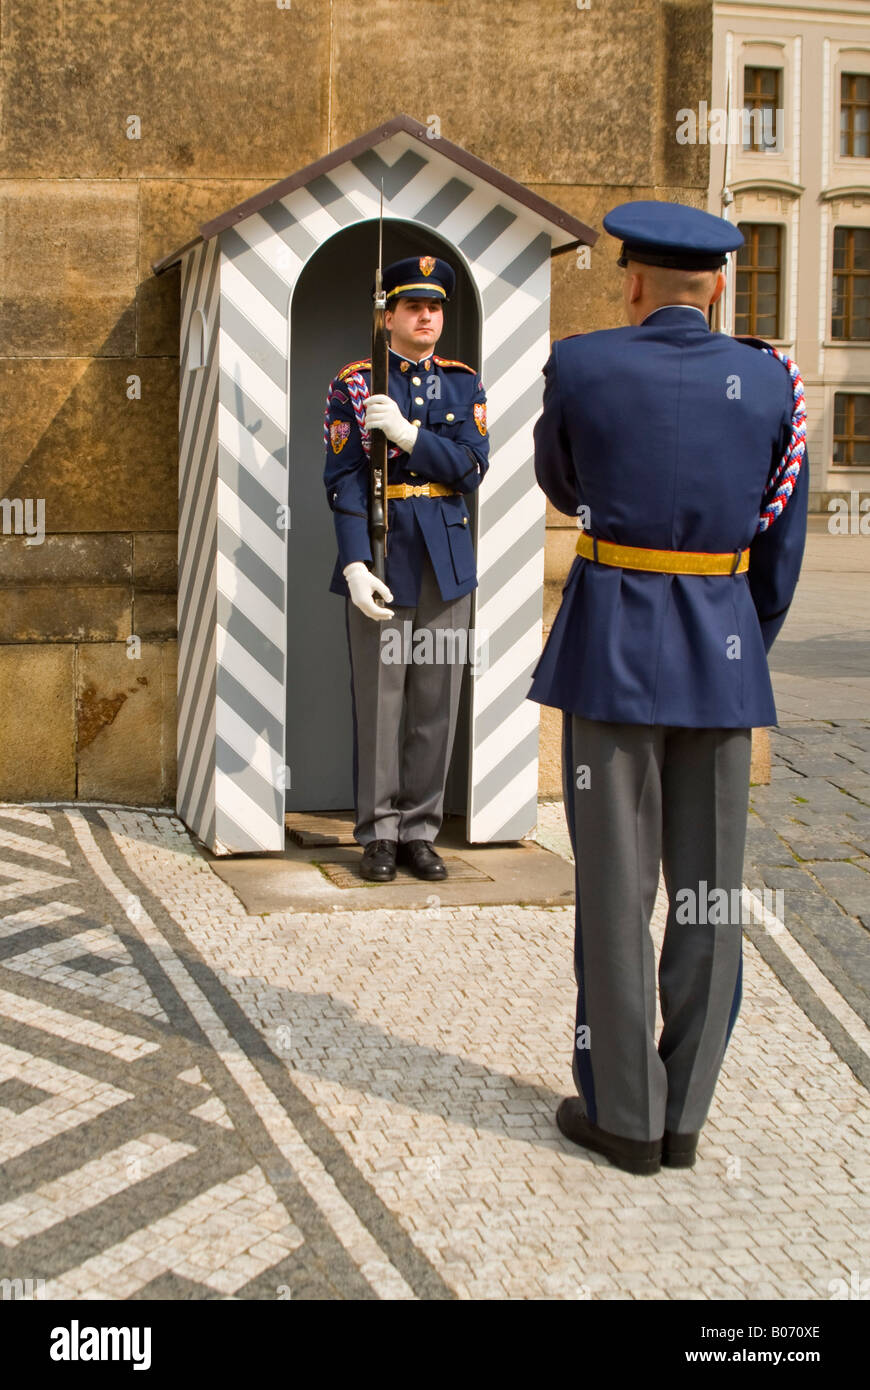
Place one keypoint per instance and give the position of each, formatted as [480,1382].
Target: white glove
[363,586]
[383,413]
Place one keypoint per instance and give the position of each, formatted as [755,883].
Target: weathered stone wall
[577,103]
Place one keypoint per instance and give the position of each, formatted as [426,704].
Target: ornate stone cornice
[781,188]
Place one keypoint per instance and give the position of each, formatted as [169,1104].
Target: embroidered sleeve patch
[338,435]
[480,416]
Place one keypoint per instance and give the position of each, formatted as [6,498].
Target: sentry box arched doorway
[275,297]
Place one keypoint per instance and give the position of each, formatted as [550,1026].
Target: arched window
[197,349]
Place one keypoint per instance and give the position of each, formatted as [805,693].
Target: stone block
[764,846]
[856,783]
[820,764]
[687,80]
[90,559]
[64,613]
[68,588]
[69,434]
[848,884]
[566,95]
[168,733]
[559,554]
[155,562]
[171,212]
[209,87]
[37,755]
[818,845]
[559,521]
[858,757]
[759,767]
[120,722]
[67,267]
[857,734]
[155,615]
[550,753]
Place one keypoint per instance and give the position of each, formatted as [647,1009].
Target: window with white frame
[850,304]
[762,103]
[758,295]
[854,115]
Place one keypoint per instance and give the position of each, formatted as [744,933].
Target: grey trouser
[400,766]
[653,794]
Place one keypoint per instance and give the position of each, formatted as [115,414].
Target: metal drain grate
[346,875]
[315,829]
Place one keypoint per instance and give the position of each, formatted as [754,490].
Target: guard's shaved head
[681,286]
[649,287]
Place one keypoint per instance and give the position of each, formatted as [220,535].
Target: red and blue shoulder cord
[782,484]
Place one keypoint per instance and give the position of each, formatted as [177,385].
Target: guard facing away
[405,708]
[682,453]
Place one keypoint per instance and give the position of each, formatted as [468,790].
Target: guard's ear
[635,287]
[720,285]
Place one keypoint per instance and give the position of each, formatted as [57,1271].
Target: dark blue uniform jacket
[668,433]
[452,447]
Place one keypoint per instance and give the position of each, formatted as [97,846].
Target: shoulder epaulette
[751,341]
[363,365]
[449,362]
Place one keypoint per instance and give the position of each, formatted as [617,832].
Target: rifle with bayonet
[378,440]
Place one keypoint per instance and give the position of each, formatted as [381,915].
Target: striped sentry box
[233,479]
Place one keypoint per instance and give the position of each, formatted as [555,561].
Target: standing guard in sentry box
[682,451]
[434,417]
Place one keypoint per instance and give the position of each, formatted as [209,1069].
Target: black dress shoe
[378,863]
[421,859]
[633,1155]
[678,1150]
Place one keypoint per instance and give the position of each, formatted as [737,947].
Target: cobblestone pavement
[198,1103]
[809,836]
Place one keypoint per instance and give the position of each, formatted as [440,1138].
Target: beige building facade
[791,94]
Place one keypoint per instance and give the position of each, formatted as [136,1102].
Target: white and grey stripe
[197,538]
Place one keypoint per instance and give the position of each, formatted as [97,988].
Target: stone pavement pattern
[820,662]
[809,836]
[198,1103]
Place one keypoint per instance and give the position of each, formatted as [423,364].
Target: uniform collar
[424,362]
[682,308]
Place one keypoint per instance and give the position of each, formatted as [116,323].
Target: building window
[759,267]
[850,311]
[761,104]
[852,429]
[855,115]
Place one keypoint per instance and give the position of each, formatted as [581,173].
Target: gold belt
[635,557]
[395,490]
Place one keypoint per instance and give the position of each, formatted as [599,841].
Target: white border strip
[807,968]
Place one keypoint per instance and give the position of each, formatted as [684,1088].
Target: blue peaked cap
[672,234]
[419,277]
